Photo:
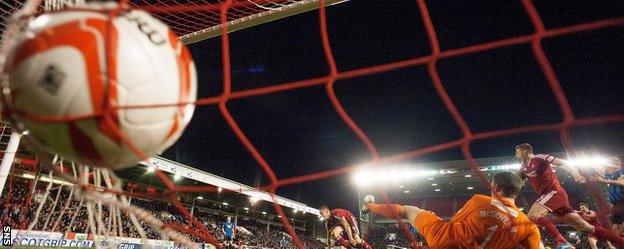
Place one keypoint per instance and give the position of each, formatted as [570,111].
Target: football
[96,89]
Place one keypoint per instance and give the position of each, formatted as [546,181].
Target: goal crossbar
[257,19]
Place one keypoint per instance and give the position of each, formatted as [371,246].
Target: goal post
[272,14]
[9,156]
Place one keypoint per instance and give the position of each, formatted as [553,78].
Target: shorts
[556,201]
[433,229]
[354,230]
[227,238]
[353,224]
[593,235]
[617,213]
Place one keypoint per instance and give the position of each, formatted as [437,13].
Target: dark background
[298,132]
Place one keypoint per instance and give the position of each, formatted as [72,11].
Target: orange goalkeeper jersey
[483,222]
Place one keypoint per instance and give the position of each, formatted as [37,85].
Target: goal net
[194,21]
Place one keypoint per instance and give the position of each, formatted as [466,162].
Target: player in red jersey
[553,198]
[339,222]
[591,218]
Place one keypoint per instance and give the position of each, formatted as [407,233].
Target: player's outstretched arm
[599,172]
[607,181]
[609,245]
[571,169]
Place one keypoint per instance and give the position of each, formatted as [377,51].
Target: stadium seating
[12,206]
[13,211]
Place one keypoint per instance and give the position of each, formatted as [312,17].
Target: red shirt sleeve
[543,162]
[341,213]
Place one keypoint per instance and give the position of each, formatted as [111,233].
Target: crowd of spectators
[578,239]
[382,236]
[272,236]
[262,234]
[252,233]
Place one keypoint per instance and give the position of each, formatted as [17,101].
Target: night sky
[298,131]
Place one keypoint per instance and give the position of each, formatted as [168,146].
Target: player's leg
[578,222]
[361,241]
[537,214]
[617,219]
[230,241]
[226,241]
[618,228]
[593,242]
[395,211]
[337,235]
[602,233]
[356,234]
[430,226]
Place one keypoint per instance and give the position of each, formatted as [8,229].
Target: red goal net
[192,19]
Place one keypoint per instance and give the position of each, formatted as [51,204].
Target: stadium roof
[453,178]
[220,182]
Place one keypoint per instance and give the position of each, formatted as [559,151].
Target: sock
[551,229]
[606,234]
[365,245]
[343,242]
[388,210]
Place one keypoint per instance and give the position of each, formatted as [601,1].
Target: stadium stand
[263,234]
[382,236]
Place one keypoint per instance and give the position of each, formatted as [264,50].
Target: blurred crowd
[382,236]
[251,233]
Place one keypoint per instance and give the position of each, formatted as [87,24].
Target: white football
[369,199]
[71,71]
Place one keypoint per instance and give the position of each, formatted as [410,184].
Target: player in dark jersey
[228,229]
[613,175]
[340,222]
[553,198]
[591,218]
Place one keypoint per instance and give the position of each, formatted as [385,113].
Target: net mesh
[186,17]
